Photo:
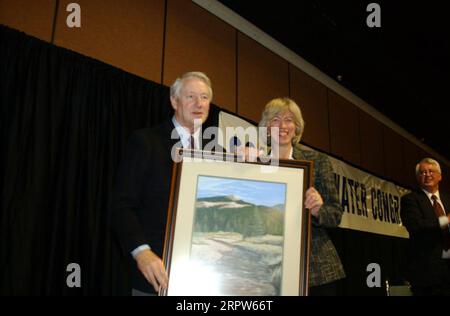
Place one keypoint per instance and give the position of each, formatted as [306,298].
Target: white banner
[370,204]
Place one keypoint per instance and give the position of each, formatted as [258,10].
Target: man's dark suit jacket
[139,206]
[426,266]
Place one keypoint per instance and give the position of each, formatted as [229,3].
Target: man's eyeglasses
[428,172]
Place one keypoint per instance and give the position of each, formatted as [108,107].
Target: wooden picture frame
[237,228]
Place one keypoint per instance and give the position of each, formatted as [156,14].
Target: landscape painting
[238,234]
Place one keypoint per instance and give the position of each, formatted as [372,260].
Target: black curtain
[358,249]
[64,121]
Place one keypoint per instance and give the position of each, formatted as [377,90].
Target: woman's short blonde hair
[278,105]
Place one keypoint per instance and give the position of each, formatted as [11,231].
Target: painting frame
[179,243]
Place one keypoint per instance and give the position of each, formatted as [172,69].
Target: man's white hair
[175,88]
[430,161]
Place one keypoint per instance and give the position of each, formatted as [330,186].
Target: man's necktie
[191,142]
[440,212]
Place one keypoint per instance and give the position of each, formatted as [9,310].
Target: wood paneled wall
[197,40]
[344,129]
[393,156]
[311,96]
[32,17]
[160,39]
[125,34]
[262,76]
[371,137]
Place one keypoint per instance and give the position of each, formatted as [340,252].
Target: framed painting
[237,228]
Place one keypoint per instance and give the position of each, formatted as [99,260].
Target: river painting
[238,236]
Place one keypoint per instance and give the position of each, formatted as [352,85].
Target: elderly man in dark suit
[139,208]
[425,214]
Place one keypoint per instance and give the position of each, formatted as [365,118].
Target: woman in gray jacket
[321,199]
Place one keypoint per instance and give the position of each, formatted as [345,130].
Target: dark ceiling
[402,68]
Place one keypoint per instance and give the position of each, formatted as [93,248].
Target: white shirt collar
[291,154]
[185,134]
[431,194]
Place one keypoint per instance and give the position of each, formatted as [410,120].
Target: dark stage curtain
[358,249]
[64,121]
